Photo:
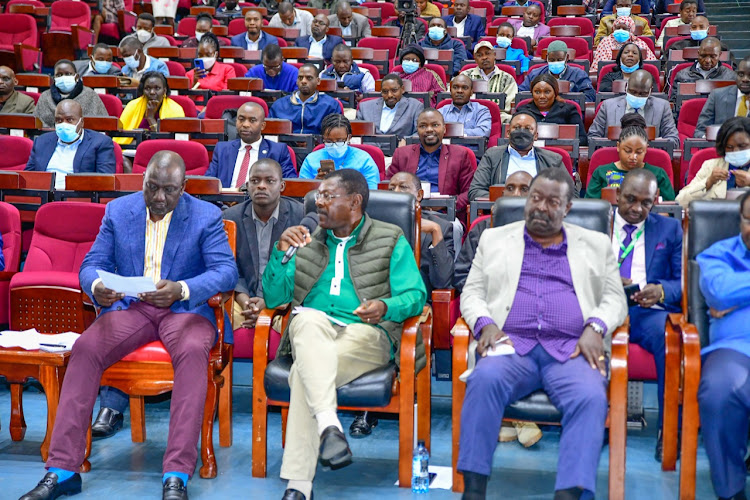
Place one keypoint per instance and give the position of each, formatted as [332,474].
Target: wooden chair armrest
[426,325]
[262,335]
[217,304]
[441,310]
[461,337]
[409,346]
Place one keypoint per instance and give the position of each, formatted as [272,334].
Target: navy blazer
[96,153]
[265,39]
[330,43]
[663,245]
[225,158]
[474,28]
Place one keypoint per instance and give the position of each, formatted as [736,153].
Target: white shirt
[739,100]
[638,265]
[386,117]
[316,48]
[526,31]
[459,27]
[146,68]
[241,155]
[61,162]
[516,162]
[250,44]
[347,30]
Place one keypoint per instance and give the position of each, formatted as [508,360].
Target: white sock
[304,487]
[327,418]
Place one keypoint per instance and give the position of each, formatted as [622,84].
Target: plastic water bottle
[420,478]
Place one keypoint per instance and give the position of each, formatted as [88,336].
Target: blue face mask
[557,67]
[628,69]
[635,102]
[131,62]
[67,132]
[738,158]
[102,67]
[336,150]
[623,11]
[409,67]
[436,33]
[65,83]
[621,35]
[503,42]
[698,34]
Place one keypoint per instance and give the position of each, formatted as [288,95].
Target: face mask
[628,69]
[621,35]
[521,139]
[143,35]
[436,33]
[738,158]
[67,132]
[336,151]
[65,83]
[635,102]
[556,67]
[623,11]
[199,35]
[131,62]
[698,34]
[102,67]
[409,67]
[503,42]
[208,62]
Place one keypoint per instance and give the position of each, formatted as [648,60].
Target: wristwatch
[596,327]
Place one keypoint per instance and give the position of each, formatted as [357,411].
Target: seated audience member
[707,67]
[292,18]
[500,162]
[559,67]
[530,26]
[688,12]
[253,38]
[631,148]
[144,33]
[548,107]
[628,60]
[305,108]
[722,400]
[427,9]
[322,4]
[231,160]
[419,27]
[610,8]
[638,99]
[11,100]
[215,74]
[505,34]
[175,312]
[107,14]
[467,25]
[726,102]
[660,7]
[71,148]
[385,264]
[67,84]
[275,73]
[232,10]
[609,24]
[438,38]
[260,221]
[137,63]
[564,355]
[474,116]
[392,113]
[351,23]
[728,171]
[519,3]
[203,24]
[498,81]
[337,133]
[624,33]
[698,32]
[152,103]
[447,168]
[344,69]
[319,43]
[653,261]
[99,63]
[422,79]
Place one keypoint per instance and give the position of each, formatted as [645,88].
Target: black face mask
[521,139]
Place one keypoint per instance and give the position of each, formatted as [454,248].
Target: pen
[53,345]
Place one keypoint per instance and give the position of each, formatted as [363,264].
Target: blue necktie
[628,261]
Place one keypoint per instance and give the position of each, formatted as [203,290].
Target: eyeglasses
[338,144]
[327,197]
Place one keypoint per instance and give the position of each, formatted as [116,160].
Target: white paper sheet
[129,285]
[32,339]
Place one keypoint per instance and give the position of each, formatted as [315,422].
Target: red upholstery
[175,68]
[381,43]
[188,106]
[236,26]
[580,45]
[641,365]
[35,3]
[17,28]
[153,351]
[374,71]
[656,157]
[587,27]
[217,104]
[109,30]
[187,26]
[565,156]
[648,41]
[648,67]
[489,9]
[682,66]
[664,22]
[118,159]
[16,152]
[496,127]
[194,154]
[696,162]
[10,228]
[386,8]
[66,279]
[574,103]
[33,95]
[239,69]
[172,41]
[243,343]
[688,118]
[65,13]
[375,153]
[672,41]
[112,103]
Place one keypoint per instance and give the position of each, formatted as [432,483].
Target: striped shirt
[498,81]
[156,237]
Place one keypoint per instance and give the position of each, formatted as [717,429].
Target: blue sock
[62,474]
[181,475]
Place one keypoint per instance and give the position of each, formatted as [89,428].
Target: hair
[548,79]
[685,3]
[165,159]
[728,129]
[415,182]
[204,17]
[268,162]
[342,47]
[558,175]
[342,5]
[149,75]
[335,120]
[507,25]
[353,182]
[98,46]
[640,174]
[210,39]
[311,66]
[285,7]
[66,61]
[711,40]
[633,124]
[519,113]
[131,42]
[271,52]
[430,110]
[745,60]
[534,5]
[394,77]
[148,17]
[622,49]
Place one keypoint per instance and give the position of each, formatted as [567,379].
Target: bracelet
[661,300]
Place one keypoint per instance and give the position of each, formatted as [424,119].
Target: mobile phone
[340,85]
[198,63]
[629,291]
[326,166]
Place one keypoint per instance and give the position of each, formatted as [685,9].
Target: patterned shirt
[499,82]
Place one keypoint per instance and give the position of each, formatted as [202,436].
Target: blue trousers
[724,403]
[647,330]
[577,390]
[109,397]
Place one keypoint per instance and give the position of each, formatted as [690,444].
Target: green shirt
[408,294]
[610,176]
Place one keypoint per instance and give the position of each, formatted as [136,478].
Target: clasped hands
[167,293]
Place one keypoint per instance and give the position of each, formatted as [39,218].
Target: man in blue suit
[232,160]
[71,148]
[179,243]
[649,251]
[466,24]
[254,38]
[320,44]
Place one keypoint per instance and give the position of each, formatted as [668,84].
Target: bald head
[166,161]
[163,183]
[699,23]
[709,52]
[69,107]
[517,184]
[7,81]
[640,83]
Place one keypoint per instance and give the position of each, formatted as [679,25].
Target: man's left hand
[433,229]
[167,293]
[649,296]
[591,345]
[371,312]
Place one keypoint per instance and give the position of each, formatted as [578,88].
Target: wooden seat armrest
[217,304]
[426,325]
[461,337]
[441,311]
[263,334]
[409,345]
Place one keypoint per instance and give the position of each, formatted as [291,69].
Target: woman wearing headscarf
[422,79]
[624,32]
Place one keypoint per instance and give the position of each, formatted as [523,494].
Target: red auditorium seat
[496,127]
[10,228]
[175,68]
[696,162]
[19,28]
[648,67]
[587,27]
[33,95]
[194,154]
[656,157]
[438,69]
[186,26]
[65,13]
[118,159]
[386,9]
[112,103]
[580,45]
[381,43]
[688,118]
[574,103]
[16,152]
[187,104]
[217,104]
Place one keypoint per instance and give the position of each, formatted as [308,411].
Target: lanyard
[626,250]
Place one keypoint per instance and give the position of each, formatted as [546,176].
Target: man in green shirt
[356,281]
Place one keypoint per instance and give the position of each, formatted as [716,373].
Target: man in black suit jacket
[319,30]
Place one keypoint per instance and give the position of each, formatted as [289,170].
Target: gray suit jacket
[718,109]
[360,25]
[404,123]
[658,114]
[436,266]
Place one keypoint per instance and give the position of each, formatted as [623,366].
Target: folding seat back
[16,152]
[656,157]
[194,154]
[217,104]
[580,45]
[10,228]
[688,117]
[65,13]
[17,28]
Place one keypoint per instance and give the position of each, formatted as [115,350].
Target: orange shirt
[216,78]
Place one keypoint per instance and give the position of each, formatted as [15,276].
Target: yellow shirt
[430,10]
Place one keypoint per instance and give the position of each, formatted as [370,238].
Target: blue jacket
[459,51]
[328,45]
[579,81]
[265,39]
[285,81]
[305,116]
[473,27]
[196,250]
[355,158]
[352,79]
[156,65]
[225,158]
[96,153]
[663,244]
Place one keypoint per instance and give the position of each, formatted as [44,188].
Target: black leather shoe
[291,494]
[174,489]
[334,451]
[107,423]
[362,425]
[49,489]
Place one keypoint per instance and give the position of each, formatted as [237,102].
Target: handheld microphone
[310,221]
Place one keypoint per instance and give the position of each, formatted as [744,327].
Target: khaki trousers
[326,356]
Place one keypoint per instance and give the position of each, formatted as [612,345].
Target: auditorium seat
[113,104]
[587,28]
[175,68]
[697,161]
[496,127]
[656,157]
[578,44]
[10,228]
[194,154]
[17,28]
[187,104]
[66,13]
[16,152]
[375,153]
[688,118]
[217,104]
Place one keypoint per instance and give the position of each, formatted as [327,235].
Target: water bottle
[420,478]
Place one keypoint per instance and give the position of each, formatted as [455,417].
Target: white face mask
[143,35]
[199,35]
[208,62]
